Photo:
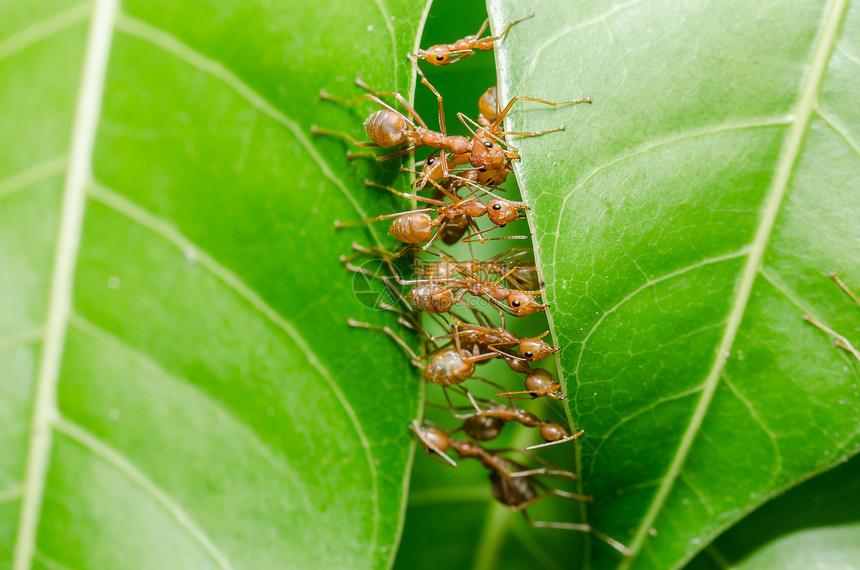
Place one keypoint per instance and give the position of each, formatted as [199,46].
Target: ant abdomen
[512,491]
[540,381]
[416,227]
[446,367]
[488,105]
[483,428]
[386,128]
[431,298]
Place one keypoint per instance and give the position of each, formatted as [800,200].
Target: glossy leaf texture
[178,385]
[685,223]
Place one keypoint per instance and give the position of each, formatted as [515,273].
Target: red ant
[416,226]
[512,484]
[389,127]
[463,48]
[520,303]
[538,382]
[479,337]
[523,278]
[486,423]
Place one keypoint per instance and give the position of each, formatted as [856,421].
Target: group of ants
[462,170]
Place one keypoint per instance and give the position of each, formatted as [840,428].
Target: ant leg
[486,23]
[502,35]
[399,153]
[390,333]
[544,471]
[399,193]
[435,235]
[453,410]
[338,224]
[429,86]
[354,155]
[844,287]
[501,116]
[400,99]
[578,527]
[315,130]
[840,342]
[534,134]
[432,450]
[469,239]
[551,392]
[372,96]
[572,437]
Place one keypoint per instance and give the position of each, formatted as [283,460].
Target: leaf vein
[788,157]
[14,341]
[839,130]
[650,283]
[132,211]
[118,344]
[707,131]
[87,111]
[570,29]
[113,457]
[32,175]
[44,29]
[172,45]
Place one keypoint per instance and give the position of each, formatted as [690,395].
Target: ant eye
[515,303]
[431,161]
[528,354]
[482,170]
[488,144]
[440,58]
[497,207]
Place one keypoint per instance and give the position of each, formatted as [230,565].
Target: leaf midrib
[87,112]
[785,165]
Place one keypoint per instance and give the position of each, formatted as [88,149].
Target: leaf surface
[685,222]
[178,386]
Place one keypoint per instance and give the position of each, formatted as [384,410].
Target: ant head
[488,105]
[535,349]
[437,55]
[553,431]
[486,153]
[432,169]
[416,227]
[523,303]
[483,428]
[502,211]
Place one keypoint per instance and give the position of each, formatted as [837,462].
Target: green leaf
[178,385]
[684,223]
[814,525]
